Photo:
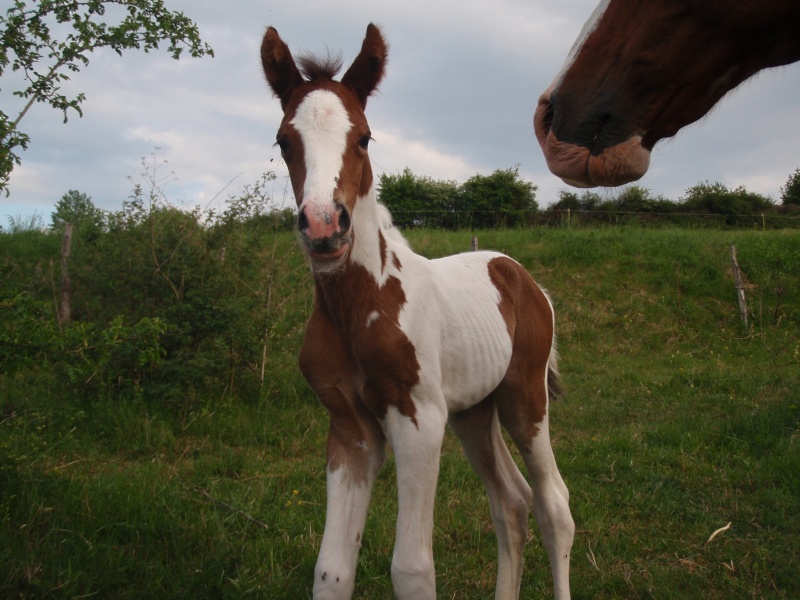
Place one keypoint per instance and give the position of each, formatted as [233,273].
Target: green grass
[678,421]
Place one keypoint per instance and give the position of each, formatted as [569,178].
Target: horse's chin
[328,262]
[617,165]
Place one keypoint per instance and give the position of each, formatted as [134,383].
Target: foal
[397,346]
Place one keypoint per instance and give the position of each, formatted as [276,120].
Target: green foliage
[704,204]
[717,199]
[790,192]
[501,199]
[416,201]
[47,40]
[83,357]
[634,198]
[78,209]
[168,306]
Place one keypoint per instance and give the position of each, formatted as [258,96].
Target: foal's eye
[364,141]
[283,144]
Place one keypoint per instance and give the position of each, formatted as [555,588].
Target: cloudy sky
[458,99]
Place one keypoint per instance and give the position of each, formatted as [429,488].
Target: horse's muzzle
[580,160]
[325,233]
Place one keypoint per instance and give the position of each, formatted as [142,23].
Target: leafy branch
[47,40]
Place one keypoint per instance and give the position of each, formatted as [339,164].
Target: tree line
[503,199]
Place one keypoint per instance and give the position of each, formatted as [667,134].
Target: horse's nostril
[344,219]
[302,220]
[547,116]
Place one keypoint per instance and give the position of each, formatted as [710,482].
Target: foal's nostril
[302,220]
[344,218]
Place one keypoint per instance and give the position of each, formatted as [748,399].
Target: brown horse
[643,69]
[397,346]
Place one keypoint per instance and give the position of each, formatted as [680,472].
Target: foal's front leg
[417,445]
[355,455]
[356,452]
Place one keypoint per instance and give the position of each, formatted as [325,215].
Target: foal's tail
[555,387]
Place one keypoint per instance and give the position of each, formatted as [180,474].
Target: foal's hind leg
[509,494]
[520,413]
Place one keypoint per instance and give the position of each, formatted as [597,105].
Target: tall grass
[678,421]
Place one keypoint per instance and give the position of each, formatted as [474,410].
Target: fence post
[474,243]
[65,310]
[737,277]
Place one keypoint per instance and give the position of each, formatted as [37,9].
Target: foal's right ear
[282,74]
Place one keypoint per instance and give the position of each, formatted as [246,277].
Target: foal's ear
[282,74]
[367,69]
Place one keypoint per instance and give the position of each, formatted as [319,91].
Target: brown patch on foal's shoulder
[385,356]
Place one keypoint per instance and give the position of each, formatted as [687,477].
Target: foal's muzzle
[324,231]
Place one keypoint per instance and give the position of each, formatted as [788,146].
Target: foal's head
[324,137]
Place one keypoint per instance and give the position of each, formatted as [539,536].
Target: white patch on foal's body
[366,245]
[323,124]
[456,298]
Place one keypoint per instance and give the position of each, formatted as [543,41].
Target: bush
[501,199]
[417,201]
[790,192]
[715,198]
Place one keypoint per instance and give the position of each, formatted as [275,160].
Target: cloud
[458,99]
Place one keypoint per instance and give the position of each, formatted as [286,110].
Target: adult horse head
[643,69]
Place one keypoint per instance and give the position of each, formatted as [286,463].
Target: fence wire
[485,219]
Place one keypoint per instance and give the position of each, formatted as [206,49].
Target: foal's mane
[315,67]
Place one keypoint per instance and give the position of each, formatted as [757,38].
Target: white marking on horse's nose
[323,124]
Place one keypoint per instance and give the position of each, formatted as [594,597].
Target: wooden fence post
[65,309]
[474,243]
[737,277]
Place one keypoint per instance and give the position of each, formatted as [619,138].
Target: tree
[568,199]
[637,199]
[499,199]
[790,193]
[45,40]
[415,201]
[716,198]
[77,208]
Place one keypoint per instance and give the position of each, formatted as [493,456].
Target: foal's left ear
[368,68]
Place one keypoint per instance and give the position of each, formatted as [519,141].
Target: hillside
[164,443]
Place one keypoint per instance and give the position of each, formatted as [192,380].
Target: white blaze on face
[323,124]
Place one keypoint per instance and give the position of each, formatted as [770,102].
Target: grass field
[678,421]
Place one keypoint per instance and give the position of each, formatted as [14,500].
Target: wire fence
[438,219]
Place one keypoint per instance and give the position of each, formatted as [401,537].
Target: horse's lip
[577,166]
[329,256]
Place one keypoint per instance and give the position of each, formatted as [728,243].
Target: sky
[458,100]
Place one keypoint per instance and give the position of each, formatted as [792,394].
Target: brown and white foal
[397,346]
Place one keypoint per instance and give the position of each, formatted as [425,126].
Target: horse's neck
[378,253]
[376,242]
